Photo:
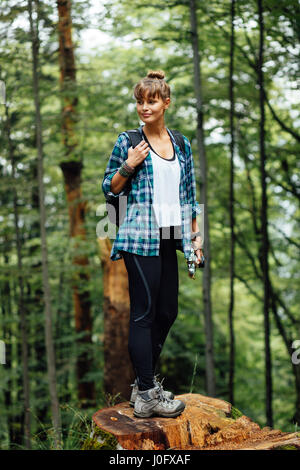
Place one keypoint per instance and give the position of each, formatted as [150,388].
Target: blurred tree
[51,362]
[71,167]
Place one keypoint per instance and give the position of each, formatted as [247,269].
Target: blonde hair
[153,84]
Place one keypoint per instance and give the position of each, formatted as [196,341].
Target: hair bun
[156,74]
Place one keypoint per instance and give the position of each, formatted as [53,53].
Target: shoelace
[159,382]
[156,378]
[161,390]
[162,397]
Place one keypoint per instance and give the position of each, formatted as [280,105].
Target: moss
[220,413]
[100,440]
[287,447]
[235,413]
[91,444]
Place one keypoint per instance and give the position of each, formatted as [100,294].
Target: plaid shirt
[139,231]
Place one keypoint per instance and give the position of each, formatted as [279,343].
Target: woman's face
[151,109]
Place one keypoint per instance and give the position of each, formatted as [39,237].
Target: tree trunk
[264,222]
[118,372]
[71,168]
[274,296]
[46,286]
[7,334]
[21,307]
[288,341]
[63,328]
[35,304]
[209,349]
[231,210]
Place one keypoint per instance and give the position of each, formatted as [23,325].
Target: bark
[118,372]
[209,349]
[264,221]
[21,306]
[72,168]
[46,286]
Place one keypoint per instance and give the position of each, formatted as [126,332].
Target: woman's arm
[118,182]
[118,156]
[195,226]
[135,156]
[196,209]
[113,182]
[198,242]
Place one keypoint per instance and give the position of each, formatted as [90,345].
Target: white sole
[159,415]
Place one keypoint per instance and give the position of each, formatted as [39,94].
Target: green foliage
[100,440]
[235,413]
[287,447]
[79,432]
[76,430]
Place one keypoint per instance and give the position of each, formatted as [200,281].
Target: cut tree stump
[205,424]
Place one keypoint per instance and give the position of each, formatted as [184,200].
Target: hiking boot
[166,393]
[153,403]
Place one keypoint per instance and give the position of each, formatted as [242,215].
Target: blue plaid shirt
[139,231]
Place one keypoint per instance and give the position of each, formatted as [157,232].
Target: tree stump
[205,424]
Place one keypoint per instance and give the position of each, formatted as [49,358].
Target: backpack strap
[136,137]
[178,137]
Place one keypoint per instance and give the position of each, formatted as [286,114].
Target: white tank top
[166,179]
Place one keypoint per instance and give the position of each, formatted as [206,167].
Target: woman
[160,184]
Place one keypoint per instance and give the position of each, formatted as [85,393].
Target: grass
[78,431]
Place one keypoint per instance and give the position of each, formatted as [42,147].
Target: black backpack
[116,207]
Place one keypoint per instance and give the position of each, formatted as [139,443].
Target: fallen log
[206,424]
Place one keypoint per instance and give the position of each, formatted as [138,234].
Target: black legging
[153,291]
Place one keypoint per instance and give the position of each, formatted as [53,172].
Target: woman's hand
[197,242]
[199,254]
[137,154]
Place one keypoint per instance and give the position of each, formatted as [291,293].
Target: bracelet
[195,234]
[128,167]
[123,172]
[126,170]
